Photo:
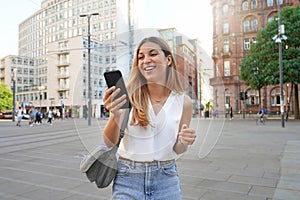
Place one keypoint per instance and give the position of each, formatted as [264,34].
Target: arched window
[245,5]
[275,97]
[270,19]
[269,3]
[226,68]
[225,28]
[253,98]
[253,4]
[225,10]
[254,25]
[246,26]
[225,46]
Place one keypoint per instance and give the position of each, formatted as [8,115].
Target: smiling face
[153,63]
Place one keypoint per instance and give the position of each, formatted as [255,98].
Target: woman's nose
[147,59]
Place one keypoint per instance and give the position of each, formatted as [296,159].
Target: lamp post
[41,87]
[14,93]
[278,39]
[89,67]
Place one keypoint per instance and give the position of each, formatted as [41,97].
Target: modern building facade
[52,65]
[235,25]
[56,37]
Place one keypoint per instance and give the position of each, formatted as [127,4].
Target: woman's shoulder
[187,103]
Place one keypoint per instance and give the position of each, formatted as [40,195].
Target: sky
[192,18]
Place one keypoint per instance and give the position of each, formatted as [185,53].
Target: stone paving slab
[247,162]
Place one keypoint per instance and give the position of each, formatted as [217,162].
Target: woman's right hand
[111,103]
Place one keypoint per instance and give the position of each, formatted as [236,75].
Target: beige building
[57,38]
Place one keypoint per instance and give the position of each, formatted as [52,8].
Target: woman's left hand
[186,135]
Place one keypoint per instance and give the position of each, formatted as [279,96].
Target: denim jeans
[146,181]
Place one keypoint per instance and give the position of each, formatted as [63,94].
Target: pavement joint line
[49,187]
[40,157]
[43,173]
[46,165]
[12,196]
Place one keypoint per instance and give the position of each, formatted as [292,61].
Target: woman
[157,130]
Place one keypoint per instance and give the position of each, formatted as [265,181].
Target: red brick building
[236,23]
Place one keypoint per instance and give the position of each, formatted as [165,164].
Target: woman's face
[153,63]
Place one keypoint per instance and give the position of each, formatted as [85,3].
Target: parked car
[5,114]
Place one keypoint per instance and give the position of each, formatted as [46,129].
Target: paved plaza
[231,159]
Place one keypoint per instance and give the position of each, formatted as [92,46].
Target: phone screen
[114,78]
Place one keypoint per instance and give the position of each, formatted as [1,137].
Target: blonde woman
[158,128]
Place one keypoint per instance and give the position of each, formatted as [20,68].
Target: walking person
[50,116]
[32,114]
[158,126]
[231,113]
[38,117]
[19,116]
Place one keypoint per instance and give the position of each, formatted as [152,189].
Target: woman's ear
[169,60]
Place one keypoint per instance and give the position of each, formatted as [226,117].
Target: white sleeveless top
[156,141]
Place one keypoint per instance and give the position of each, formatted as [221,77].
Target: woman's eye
[153,54]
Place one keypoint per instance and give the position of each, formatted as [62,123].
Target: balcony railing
[63,75]
[63,87]
[62,63]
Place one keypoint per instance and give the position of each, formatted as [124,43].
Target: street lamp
[14,93]
[89,67]
[278,39]
[41,87]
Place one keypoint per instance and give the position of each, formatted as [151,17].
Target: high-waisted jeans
[146,181]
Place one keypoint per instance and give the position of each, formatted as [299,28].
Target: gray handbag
[100,166]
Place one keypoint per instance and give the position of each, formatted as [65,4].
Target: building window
[246,44]
[253,98]
[275,97]
[227,98]
[254,25]
[225,28]
[226,68]
[225,10]
[280,2]
[270,19]
[245,5]
[253,4]
[269,3]
[246,26]
[226,46]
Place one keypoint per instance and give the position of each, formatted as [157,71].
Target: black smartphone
[114,78]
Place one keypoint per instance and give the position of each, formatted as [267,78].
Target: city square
[231,159]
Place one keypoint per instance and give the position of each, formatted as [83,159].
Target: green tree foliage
[260,66]
[5,97]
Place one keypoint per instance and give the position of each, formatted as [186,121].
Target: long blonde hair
[137,84]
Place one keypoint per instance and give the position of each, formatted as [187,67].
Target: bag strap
[123,126]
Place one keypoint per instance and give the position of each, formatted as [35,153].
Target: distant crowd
[36,117]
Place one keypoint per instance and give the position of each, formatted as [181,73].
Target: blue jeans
[146,181]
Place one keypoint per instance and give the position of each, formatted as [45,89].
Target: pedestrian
[50,115]
[231,113]
[38,116]
[32,114]
[58,114]
[67,114]
[19,116]
[214,113]
[158,126]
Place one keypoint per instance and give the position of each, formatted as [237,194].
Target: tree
[260,66]
[5,97]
